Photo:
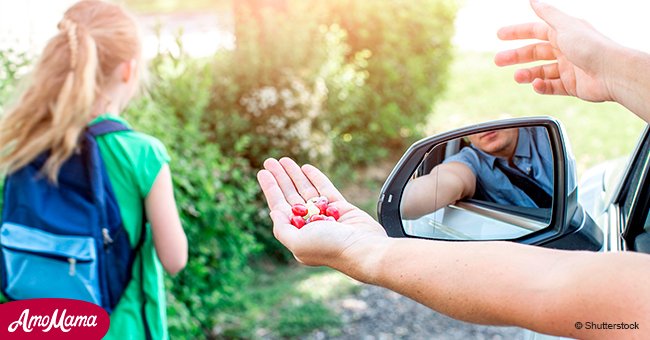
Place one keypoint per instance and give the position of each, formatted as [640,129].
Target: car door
[629,220]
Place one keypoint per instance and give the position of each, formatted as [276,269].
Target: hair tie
[71,28]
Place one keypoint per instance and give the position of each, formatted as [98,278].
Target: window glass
[631,188]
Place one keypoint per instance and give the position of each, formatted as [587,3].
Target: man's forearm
[474,282]
[427,194]
[504,283]
[446,184]
[629,73]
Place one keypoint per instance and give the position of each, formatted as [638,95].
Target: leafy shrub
[12,66]
[340,82]
[370,71]
[217,196]
[409,44]
[274,88]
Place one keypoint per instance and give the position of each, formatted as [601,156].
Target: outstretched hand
[577,48]
[284,183]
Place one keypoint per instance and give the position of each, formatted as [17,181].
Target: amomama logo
[52,319]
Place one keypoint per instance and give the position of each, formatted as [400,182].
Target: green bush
[217,196]
[12,66]
[409,44]
[274,88]
[331,81]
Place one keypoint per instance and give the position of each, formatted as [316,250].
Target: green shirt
[133,161]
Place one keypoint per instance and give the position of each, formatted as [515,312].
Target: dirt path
[378,313]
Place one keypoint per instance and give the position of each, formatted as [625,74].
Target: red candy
[299,210]
[298,221]
[315,209]
[322,206]
[333,212]
[317,218]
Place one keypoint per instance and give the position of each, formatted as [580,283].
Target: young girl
[87,73]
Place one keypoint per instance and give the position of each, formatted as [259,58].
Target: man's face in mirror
[501,143]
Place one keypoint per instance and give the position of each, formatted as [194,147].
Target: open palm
[284,183]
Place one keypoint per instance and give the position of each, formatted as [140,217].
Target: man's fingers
[531,30]
[548,71]
[548,13]
[300,181]
[283,230]
[553,86]
[272,192]
[322,183]
[284,181]
[526,54]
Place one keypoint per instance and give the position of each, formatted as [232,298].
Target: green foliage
[274,87]
[408,49]
[217,195]
[12,65]
[332,81]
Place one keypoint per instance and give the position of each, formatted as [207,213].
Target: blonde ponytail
[54,110]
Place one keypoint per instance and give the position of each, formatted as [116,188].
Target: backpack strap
[138,248]
[107,126]
[103,128]
[143,309]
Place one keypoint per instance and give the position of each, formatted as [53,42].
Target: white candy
[312,209]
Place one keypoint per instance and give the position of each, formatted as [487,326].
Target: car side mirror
[511,179]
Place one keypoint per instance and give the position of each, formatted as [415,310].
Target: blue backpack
[66,240]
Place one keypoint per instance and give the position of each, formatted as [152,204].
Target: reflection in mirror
[491,185]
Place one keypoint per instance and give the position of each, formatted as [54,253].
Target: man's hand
[334,244]
[581,67]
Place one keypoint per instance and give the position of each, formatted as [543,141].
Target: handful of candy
[316,209]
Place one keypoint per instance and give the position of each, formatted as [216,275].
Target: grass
[286,302]
[479,91]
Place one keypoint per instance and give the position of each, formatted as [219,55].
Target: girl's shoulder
[132,141]
[139,142]
[133,154]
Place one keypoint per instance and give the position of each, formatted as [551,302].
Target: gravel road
[377,313]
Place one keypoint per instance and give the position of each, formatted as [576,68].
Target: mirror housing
[569,226]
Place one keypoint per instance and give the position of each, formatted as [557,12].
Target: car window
[642,240]
[635,199]
[634,181]
[474,221]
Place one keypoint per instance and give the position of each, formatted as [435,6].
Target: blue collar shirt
[533,158]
